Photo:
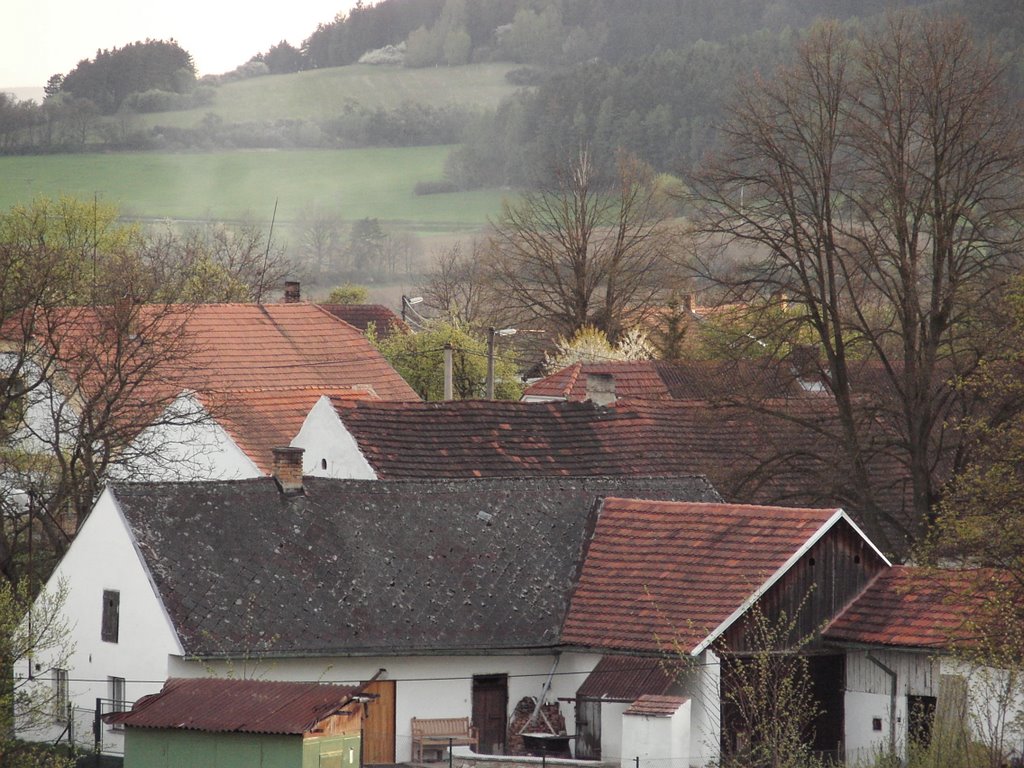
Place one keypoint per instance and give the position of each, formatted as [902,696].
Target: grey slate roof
[363,566]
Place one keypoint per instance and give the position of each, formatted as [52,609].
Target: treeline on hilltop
[137,68]
[648,76]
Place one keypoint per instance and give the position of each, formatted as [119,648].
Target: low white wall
[611,731]
[658,742]
[701,684]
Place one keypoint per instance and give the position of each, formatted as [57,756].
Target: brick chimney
[288,469]
[601,388]
[292,292]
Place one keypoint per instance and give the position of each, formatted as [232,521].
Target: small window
[111,615]
[60,695]
[115,688]
[323,463]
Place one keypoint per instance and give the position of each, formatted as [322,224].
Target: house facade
[338,582]
[460,598]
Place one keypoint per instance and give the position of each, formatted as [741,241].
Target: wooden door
[379,724]
[588,729]
[490,712]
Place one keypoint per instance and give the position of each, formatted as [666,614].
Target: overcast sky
[39,38]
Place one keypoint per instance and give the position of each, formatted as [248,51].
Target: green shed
[215,723]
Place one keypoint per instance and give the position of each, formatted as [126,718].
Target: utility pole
[448,370]
[490,363]
[491,333]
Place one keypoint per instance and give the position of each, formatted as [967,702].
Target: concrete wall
[145,638]
[463,758]
[326,441]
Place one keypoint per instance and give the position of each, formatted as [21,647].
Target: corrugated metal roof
[626,678]
[237,706]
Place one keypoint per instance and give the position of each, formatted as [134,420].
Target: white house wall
[329,448]
[868,699]
[995,702]
[178,450]
[426,686]
[103,557]
[45,409]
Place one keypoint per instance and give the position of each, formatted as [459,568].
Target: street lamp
[408,301]
[491,333]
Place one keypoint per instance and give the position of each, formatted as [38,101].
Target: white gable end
[104,559]
[330,449]
[185,444]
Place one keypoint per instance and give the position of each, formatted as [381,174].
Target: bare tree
[216,263]
[320,241]
[877,183]
[578,253]
[87,361]
[457,287]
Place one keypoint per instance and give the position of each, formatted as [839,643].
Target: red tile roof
[296,345]
[259,420]
[919,608]
[237,706]
[660,576]
[230,347]
[362,315]
[660,379]
[656,706]
[749,456]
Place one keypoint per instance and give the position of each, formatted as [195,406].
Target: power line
[688,663]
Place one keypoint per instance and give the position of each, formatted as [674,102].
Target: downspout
[892,701]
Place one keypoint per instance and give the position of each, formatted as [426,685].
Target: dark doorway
[490,712]
[920,716]
[828,683]
[588,729]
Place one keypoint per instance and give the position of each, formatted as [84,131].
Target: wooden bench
[439,733]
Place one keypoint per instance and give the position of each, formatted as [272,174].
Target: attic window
[323,463]
[111,615]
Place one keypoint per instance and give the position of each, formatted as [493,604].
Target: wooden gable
[815,589]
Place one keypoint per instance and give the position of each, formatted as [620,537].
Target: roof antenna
[266,256]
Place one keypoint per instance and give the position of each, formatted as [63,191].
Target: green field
[321,94]
[230,185]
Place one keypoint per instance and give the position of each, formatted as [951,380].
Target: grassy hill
[229,185]
[321,94]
